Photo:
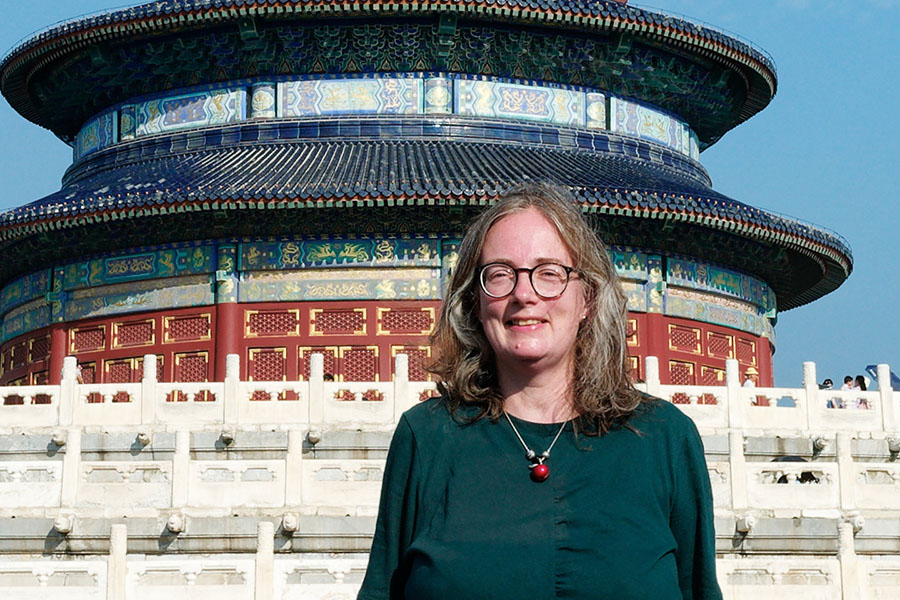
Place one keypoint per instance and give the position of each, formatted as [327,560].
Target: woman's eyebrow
[537,261]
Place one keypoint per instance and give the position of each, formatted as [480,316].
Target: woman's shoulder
[659,416]
[426,412]
[436,414]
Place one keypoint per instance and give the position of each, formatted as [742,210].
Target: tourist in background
[834,401]
[750,377]
[860,385]
[532,360]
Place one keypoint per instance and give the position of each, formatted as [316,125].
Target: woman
[860,384]
[541,472]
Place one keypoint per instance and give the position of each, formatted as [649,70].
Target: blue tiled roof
[571,11]
[675,64]
[271,166]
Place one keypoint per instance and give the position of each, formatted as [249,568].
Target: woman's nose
[523,289]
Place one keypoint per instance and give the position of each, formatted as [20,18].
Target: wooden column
[58,341]
[229,324]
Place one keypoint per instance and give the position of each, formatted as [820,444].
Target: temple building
[210,332]
[276,178]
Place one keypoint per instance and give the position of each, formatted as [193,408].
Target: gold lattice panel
[405,321]
[38,348]
[139,367]
[681,372]
[267,364]
[19,355]
[329,361]
[40,378]
[635,363]
[359,363]
[746,352]
[719,345]
[134,333]
[337,321]
[89,372]
[87,339]
[191,366]
[119,370]
[631,332]
[712,376]
[262,323]
[187,328]
[684,339]
[419,357]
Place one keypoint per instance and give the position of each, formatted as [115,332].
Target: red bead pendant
[540,473]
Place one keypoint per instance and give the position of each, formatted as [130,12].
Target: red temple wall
[357,338]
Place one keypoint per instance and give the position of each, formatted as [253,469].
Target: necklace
[539,471]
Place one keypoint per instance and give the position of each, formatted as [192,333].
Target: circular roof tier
[405,174]
[62,76]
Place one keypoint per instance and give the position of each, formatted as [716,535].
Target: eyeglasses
[549,280]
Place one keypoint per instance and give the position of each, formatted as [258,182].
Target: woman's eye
[548,274]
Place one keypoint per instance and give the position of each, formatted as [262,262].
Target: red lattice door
[359,363]
[120,370]
[329,360]
[190,367]
[681,373]
[419,357]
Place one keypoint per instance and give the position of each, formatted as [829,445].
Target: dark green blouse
[624,515]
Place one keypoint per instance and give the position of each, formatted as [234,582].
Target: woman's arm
[692,522]
[386,573]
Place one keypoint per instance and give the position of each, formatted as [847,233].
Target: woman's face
[530,334]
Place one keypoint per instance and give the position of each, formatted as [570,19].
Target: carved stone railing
[787,410]
[317,402]
[156,404]
[246,489]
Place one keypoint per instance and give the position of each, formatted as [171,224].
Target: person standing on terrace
[860,384]
[541,472]
[750,377]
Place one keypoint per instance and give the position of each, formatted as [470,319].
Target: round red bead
[540,473]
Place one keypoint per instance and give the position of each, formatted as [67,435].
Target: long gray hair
[602,389]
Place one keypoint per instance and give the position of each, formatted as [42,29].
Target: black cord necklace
[539,471]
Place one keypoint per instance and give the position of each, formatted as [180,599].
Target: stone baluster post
[71,470]
[402,401]
[733,396]
[181,468]
[846,470]
[811,396]
[293,468]
[889,412]
[849,562]
[651,376]
[232,398]
[117,566]
[316,389]
[265,561]
[148,390]
[738,466]
[68,391]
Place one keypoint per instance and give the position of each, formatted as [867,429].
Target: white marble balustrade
[792,411]
[178,459]
[316,401]
[161,404]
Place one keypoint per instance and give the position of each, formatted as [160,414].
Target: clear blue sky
[826,150]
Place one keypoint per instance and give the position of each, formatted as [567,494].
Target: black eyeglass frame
[517,271]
